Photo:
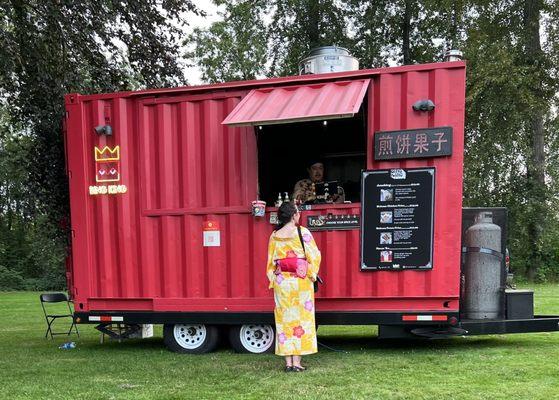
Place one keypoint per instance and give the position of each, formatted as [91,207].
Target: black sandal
[298,369]
[288,368]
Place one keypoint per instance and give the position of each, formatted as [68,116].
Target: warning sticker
[212,234]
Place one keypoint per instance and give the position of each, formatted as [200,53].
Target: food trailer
[162,184]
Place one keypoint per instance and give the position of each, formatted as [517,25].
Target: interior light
[324,123]
[260,127]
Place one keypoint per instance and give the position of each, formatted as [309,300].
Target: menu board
[397,219]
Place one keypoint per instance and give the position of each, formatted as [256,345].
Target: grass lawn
[484,367]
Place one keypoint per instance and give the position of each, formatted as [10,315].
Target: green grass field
[484,367]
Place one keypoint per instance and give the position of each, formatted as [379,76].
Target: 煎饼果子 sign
[413,143]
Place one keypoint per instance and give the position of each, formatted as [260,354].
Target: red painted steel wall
[142,250]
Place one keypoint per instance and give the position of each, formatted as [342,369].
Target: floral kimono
[294,293]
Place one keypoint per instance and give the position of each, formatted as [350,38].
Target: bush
[10,280]
[32,256]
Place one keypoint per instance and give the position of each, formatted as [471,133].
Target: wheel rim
[190,336]
[257,338]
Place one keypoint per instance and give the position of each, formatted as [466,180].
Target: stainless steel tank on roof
[453,55]
[328,59]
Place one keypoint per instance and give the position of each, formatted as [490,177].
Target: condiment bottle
[278,201]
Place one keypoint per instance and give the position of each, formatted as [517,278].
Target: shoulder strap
[301,239]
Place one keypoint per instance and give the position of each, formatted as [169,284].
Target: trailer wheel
[190,339]
[252,338]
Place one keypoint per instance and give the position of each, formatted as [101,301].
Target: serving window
[311,140]
[286,153]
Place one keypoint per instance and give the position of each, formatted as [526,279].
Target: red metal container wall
[391,99]
[143,250]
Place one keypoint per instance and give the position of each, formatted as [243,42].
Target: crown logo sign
[107,154]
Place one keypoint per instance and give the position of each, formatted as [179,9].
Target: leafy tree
[47,49]
[511,86]
[50,48]
[235,47]
[298,26]
[240,46]
[403,31]
[369,42]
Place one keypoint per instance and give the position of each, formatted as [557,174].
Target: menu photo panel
[397,219]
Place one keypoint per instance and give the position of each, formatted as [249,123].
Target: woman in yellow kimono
[291,271]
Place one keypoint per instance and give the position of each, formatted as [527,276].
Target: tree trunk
[314,24]
[406,22]
[9,212]
[536,160]
[457,12]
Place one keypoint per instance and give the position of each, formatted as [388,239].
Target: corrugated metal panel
[143,250]
[312,102]
[190,160]
[391,100]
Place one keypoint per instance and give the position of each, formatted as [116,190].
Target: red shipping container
[161,209]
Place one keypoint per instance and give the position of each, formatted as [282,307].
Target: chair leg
[73,326]
[50,322]
[49,328]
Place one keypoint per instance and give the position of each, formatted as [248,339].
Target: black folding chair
[50,318]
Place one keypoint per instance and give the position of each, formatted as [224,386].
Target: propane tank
[482,269]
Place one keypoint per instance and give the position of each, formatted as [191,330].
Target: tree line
[49,48]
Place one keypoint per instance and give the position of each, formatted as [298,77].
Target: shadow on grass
[369,342]
[350,343]
[154,344]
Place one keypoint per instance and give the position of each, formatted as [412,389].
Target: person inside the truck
[304,191]
[292,267]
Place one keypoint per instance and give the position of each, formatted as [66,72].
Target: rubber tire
[237,345]
[212,339]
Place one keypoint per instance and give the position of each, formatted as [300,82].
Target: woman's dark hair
[285,212]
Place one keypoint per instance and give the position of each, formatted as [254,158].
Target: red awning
[299,103]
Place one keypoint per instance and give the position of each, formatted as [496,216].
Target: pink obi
[295,266]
